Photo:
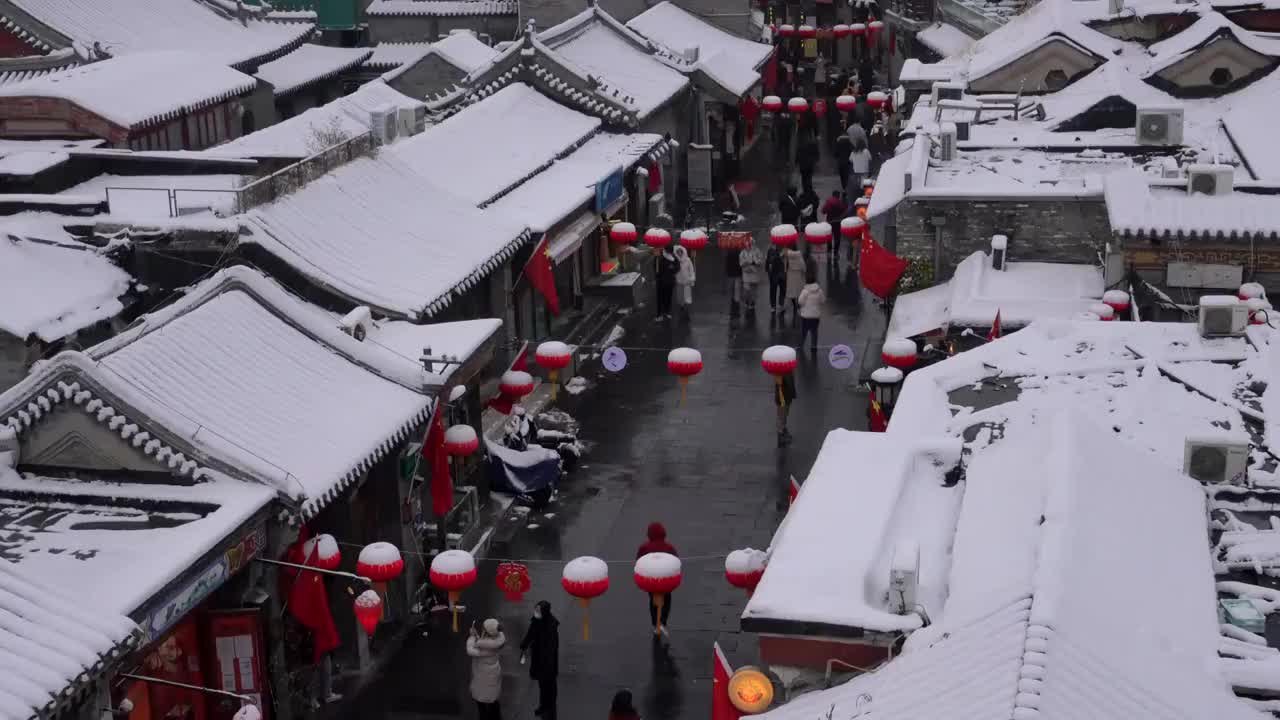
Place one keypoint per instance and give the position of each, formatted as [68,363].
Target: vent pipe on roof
[999,246]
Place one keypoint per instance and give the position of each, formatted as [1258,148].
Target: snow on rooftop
[945,39]
[148,196]
[551,195]
[465,51]
[126,27]
[728,59]
[136,90]
[30,162]
[50,642]
[457,339]
[1136,206]
[478,153]
[393,55]
[442,8]
[411,248]
[308,64]
[984,172]
[51,286]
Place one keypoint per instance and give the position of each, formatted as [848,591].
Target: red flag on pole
[542,276]
[769,78]
[877,421]
[721,706]
[878,269]
[995,328]
[308,600]
[433,451]
[793,491]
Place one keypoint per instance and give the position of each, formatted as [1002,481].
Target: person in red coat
[657,542]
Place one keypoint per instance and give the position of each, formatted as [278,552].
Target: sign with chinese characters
[609,190]
[1160,257]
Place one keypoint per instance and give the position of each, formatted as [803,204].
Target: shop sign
[1159,257]
[609,190]
[210,578]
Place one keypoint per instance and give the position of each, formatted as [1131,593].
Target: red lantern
[516,384]
[693,240]
[513,580]
[1118,300]
[841,30]
[684,363]
[1259,310]
[874,27]
[877,99]
[1104,311]
[322,552]
[744,568]
[380,562]
[453,571]
[658,574]
[623,233]
[784,235]
[772,103]
[857,29]
[585,578]
[853,227]
[817,233]
[554,356]
[778,361]
[899,353]
[820,107]
[807,32]
[657,238]
[1251,290]
[786,30]
[797,105]
[461,440]
[846,103]
[368,610]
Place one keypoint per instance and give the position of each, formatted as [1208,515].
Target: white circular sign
[840,357]
[614,359]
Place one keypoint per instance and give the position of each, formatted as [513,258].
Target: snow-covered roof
[49,642]
[1022,293]
[393,55]
[411,247]
[945,39]
[442,8]
[602,47]
[144,197]
[137,90]
[50,285]
[465,51]
[301,135]
[125,27]
[309,64]
[1138,205]
[549,197]
[731,61]
[478,153]
[457,339]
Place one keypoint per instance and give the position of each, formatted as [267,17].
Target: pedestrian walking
[854,132]
[657,542]
[486,668]
[733,273]
[788,207]
[775,267]
[807,160]
[844,146]
[811,300]
[784,394]
[541,646]
[622,707]
[665,269]
[878,145]
[809,204]
[751,263]
[795,278]
[859,168]
[685,278]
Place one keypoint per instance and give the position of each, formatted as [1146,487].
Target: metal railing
[286,180]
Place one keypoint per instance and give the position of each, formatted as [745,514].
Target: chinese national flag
[878,269]
[794,491]
[308,600]
[878,422]
[542,277]
[995,328]
[721,706]
[433,452]
[769,78]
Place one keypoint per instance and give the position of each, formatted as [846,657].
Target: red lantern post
[554,356]
[453,571]
[684,363]
[744,568]
[585,578]
[779,361]
[658,574]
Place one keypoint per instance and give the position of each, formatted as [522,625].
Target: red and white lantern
[840,30]
[554,356]
[1104,311]
[322,552]
[461,440]
[877,99]
[248,712]
[874,27]
[368,610]
[516,384]
[1118,300]
[786,30]
[1260,311]
[744,568]
[797,106]
[779,361]
[693,240]
[684,363]
[453,571]
[1251,290]
[658,574]
[853,228]
[807,32]
[784,235]
[857,29]
[657,238]
[818,233]
[772,103]
[380,562]
[846,103]
[623,233]
[898,353]
[585,578]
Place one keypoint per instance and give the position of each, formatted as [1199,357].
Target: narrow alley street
[709,471]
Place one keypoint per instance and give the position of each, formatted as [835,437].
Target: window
[1221,77]
[1055,79]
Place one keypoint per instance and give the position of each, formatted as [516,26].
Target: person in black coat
[541,646]
[776,269]
[788,209]
[665,278]
[807,160]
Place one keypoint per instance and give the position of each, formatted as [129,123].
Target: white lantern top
[818,229]
[887,375]
[368,598]
[586,569]
[684,355]
[379,553]
[746,560]
[324,545]
[460,435]
[852,222]
[779,354]
[553,348]
[782,230]
[1118,297]
[899,347]
[658,565]
[1252,290]
[516,377]
[1102,310]
[693,234]
[453,562]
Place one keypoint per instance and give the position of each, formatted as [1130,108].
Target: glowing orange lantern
[750,690]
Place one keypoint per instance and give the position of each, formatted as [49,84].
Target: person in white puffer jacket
[810,301]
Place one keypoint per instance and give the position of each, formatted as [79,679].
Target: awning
[565,241]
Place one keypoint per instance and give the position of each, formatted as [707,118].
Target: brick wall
[1038,230]
[429,76]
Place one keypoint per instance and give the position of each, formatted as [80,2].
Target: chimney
[999,246]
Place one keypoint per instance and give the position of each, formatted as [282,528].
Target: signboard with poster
[733,239]
[236,661]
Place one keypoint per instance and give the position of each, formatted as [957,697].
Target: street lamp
[886,382]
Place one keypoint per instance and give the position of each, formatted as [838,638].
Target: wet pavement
[709,471]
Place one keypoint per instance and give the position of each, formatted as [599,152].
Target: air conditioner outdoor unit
[1222,316]
[383,124]
[406,122]
[946,91]
[904,577]
[357,322]
[1210,179]
[1159,126]
[1216,459]
[947,142]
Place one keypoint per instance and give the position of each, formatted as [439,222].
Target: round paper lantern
[744,568]
[248,712]
[797,105]
[784,235]
[853,227]
[840,30]
[846,103]
[807,32]
[1251,290]
[322,552]
[657,238]
[585,578]
[623,232]
[380,562]
[874,27]
[877,99]
[1259,310]
[453,571]
[516,384]
[778,360]
[684,363]
[513,580]
[1104,311]
[786,30]
[368,610]
[818,233]
[1118,300]
[693,240]
[899,353]
[750,690]
[772,103]
[554,356]
[461,440]
[857,29]
[658,574]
